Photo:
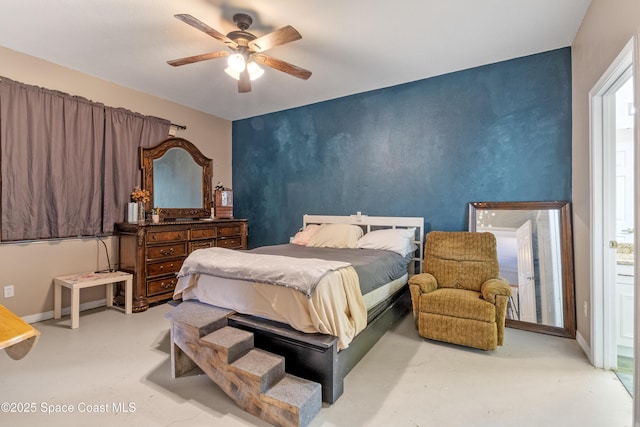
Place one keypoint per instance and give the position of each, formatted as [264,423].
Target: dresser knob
[169,285]
[165,252]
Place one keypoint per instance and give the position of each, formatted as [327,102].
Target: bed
[321,301]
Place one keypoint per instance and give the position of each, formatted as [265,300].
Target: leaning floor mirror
[535,253]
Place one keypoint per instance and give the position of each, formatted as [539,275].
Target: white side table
[75,282]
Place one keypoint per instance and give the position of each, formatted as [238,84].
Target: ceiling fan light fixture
[243,48]
[233,73]
[236,62]
[255,71]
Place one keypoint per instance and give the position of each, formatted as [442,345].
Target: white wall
[30,267]
[606,29]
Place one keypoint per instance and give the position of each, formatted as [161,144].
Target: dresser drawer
[166,236]
[203,233]
[202,244]
[161,286]
[234,230]
[165,251]
[167,267]
[229,242]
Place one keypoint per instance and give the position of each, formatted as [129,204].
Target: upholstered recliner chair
[459,297]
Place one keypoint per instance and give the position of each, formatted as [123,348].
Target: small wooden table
[17,337]
[75,282]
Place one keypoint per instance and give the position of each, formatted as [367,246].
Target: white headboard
[369,223]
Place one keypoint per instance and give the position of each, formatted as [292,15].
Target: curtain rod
[181,127]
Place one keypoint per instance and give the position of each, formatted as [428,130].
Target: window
[67,164]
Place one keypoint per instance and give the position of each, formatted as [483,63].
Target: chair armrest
[420,284]
[493,287]
[425,281]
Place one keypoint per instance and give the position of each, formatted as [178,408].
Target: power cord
[110,269]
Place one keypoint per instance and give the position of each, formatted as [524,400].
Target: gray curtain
[68,165]
[125,132]
[51,156]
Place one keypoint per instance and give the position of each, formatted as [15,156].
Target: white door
[624,187]
[624,161]
[526,275]
[624,169]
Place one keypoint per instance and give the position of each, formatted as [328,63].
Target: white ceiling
[351,46]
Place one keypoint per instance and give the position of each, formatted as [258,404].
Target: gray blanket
[374,267]
[302,274]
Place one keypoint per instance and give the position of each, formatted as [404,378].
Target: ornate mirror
[535,253]
[178,177]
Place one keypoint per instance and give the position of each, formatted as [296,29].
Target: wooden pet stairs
[253,378]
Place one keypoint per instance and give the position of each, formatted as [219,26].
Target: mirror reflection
[535,254]
[529,256]
[177,180]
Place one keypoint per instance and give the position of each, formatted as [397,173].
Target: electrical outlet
[585,309]
[8,291]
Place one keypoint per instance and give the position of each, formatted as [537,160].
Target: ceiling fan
[246,50]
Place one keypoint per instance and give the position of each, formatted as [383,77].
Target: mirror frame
[148,155]
[566,249]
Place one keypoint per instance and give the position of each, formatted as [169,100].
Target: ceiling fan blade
[275,38]
[283,66]
[197,58]
[197,24]
[244,82]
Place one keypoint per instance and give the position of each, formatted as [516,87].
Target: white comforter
[302,274]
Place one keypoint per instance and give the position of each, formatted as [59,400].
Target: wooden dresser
[154,253]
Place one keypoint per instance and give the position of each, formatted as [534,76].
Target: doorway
[621,130]
[614,172]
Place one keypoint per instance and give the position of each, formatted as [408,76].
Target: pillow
[336,236]
[398,240]
[303,237]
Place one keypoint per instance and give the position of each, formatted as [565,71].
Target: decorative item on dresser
[154,252]
[224,203]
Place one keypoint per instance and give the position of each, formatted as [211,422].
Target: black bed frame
[315,356]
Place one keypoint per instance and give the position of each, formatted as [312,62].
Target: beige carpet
[114,371]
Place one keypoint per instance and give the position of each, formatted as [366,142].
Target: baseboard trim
[586,348]
[39,317]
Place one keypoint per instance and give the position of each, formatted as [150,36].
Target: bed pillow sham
[399,240]
[303,237]
[336,236]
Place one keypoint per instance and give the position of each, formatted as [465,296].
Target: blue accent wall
[500,132]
